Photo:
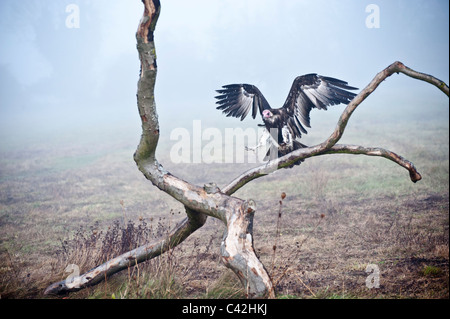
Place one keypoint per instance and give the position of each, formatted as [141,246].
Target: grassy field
[76,197]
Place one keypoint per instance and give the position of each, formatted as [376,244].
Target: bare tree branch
[327,147]
[377,151]
[194,197]
[146,252]
[400,67]
[304,153]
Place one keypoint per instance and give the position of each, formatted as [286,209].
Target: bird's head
[266,114]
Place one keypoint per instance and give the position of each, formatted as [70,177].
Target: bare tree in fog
[237,250]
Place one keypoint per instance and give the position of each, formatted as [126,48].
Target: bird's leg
[287,138]
[262,142]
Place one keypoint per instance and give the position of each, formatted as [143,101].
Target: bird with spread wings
[284,126]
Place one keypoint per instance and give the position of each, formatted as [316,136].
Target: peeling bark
[237,250]
[238,253]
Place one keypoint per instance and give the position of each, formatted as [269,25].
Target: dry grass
[331,256]
[78,203]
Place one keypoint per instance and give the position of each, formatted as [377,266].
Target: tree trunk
[239,255]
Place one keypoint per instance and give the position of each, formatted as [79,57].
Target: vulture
[284,126]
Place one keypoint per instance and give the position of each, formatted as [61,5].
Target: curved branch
[377,151]
[328,146]
[146,252]
[395,67]
[191,196]
[424,77]
[303,153]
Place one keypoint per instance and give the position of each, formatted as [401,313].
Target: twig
[309,289]
[124,216]
[277,233]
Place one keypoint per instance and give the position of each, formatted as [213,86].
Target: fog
[61,72]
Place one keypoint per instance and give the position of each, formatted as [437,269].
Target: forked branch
[329,147]
[237,244]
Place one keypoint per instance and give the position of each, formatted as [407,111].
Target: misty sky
[53,74]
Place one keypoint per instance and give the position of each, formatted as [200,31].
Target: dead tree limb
[237,250]
[237,245]
[146,252]
[304,153]
[328,146]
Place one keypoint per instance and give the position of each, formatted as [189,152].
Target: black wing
[237,100]
[313,91]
